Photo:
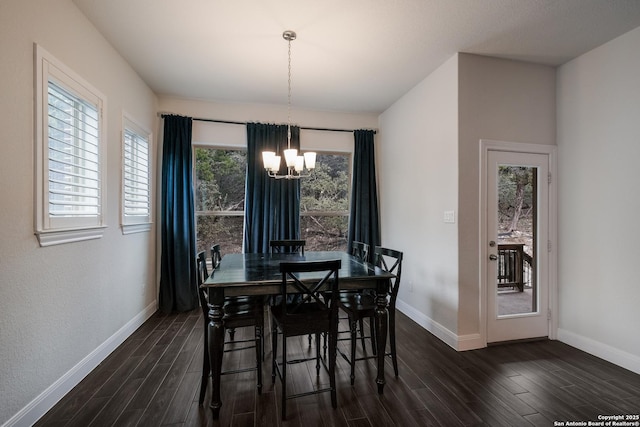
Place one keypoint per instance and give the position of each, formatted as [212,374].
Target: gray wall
[64,307]
[429,163]
[499,100]
[599,150]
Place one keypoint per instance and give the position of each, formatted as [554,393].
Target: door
[517,228]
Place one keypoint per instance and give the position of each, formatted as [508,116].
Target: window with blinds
[70,161]
[136,187]
[74,158]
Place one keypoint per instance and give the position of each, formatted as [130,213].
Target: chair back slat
[288,246]
[360,250]
[202,275]
[385,257]
[309,290]
[216,257]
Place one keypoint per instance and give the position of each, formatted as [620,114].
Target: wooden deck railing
[514,266]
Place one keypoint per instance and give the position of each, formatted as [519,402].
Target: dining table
[252,274]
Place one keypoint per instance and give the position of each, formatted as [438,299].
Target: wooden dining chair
[236,315]
[216,258]
[309,314]
[359,307]
[288,246]
[361,251]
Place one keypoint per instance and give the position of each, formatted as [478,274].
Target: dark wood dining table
[259,274]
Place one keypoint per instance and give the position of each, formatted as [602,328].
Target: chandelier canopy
[295,163]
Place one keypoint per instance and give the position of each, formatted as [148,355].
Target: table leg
[216,347]
[381,326]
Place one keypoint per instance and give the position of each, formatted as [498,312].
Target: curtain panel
[177,272]
[272,207]
[364,222]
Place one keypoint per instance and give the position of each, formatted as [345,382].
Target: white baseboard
[473,341]
[457,342]
[610,354]
[39,406]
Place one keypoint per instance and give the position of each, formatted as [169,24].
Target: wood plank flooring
[153,379]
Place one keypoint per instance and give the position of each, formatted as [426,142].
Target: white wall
[599,230]
[500,100]
[417,154]
[429,163]
[64,307]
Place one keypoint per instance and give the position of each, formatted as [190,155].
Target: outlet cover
[449,217]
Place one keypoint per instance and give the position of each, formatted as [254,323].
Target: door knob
[492,243]
[493,257]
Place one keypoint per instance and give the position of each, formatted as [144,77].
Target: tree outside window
[324,204]
[219,200]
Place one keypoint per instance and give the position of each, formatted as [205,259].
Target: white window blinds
[74,164]
[136,191]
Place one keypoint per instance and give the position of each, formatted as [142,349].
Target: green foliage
[220,177]
[511,181]
[326,190]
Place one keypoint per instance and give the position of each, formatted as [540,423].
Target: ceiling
[349,55]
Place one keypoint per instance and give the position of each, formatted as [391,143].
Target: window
[70,160]
[136,187]
[324,204]
[219,181]
[220,190]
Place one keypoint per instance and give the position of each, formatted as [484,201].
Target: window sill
[136,228]
[58,237]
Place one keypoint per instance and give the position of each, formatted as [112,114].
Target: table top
[264,269]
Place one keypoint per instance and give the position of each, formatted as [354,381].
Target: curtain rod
[231,122]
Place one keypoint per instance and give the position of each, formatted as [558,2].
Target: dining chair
[309,314]
[236,315]
[359,307]
[289,246]
[361,251]
[216,258]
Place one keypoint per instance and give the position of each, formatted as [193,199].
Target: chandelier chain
[289,99]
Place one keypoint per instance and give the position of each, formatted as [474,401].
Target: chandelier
[295,163]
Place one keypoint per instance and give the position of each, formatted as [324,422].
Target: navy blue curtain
[272,207]
[177,272]
[364,222]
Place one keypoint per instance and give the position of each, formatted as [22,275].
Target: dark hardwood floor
[153,379]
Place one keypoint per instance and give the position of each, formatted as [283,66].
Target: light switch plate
[449,217]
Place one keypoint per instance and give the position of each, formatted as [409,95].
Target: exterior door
[517,230]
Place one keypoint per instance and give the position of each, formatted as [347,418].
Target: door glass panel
[517,205]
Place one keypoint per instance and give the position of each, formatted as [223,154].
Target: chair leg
[284,377]
[333,344]
[353,324]
[361,325]
[324,347]
[206,367]
[317,354]
[274,352]
[259,339]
